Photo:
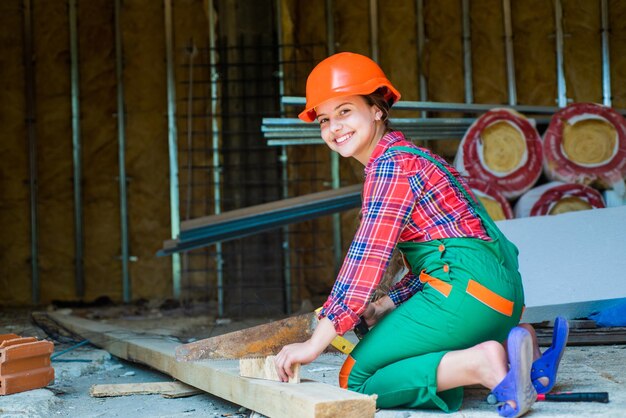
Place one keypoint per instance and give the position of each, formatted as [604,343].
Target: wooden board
[308,399]
[263,368]
[584,336]
[166,389]
[571,264]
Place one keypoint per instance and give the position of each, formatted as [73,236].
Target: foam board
[571,264]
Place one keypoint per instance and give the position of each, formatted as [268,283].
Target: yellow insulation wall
[142,24]
[14,195]
[534,45]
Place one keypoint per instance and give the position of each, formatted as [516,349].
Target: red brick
[24,363]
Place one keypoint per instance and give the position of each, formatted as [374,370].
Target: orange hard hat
[344,74]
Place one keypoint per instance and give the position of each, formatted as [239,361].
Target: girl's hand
[292,354]
[305,352]
[375,311]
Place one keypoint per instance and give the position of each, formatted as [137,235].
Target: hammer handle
[575,397]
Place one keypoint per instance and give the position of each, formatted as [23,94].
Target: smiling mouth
[343,138]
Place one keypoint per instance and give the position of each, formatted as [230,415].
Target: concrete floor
[589,368]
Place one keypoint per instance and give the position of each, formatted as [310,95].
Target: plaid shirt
[405,198]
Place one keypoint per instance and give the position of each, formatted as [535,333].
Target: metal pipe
[76,152]
[606,54]
[443,106]
[467,52]
[121,135]
[421,39]
[374,29]
[172,144]
[284,159]
[330,27]
[29,83]
[508,46]
[335,170]
[560,73]
[217,169]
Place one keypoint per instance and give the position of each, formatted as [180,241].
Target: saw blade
[259,341]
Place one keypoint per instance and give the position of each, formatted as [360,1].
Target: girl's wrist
[386,304]
[323,335]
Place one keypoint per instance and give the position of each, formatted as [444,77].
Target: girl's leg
[484,364]
[399,358]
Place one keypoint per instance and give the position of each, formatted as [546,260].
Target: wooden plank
[583,336]
[263,368]
[166,389]
[308,399]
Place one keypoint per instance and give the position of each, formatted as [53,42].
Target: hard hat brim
[310,114]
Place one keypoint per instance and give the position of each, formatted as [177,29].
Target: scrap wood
[586,336]
[308,399]
[166,389]
[263,368]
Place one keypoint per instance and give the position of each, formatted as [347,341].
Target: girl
[439,328]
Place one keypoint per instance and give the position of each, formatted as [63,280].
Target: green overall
[472,293]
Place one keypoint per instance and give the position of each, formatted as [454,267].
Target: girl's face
[350,126]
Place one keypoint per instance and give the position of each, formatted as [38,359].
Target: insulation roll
[503,148]
[557,197]
[586,143]
[494,202]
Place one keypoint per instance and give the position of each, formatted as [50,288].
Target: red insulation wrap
[558,166]
[470,161]
[541,200]
[553,195]
[484,189]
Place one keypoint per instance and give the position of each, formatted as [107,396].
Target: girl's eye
[323,120]
[344,111]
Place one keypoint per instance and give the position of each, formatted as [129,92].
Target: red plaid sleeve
[387,204]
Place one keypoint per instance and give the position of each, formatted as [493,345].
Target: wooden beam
[221,378]
[582,336]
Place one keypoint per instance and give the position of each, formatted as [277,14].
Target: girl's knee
[492,349]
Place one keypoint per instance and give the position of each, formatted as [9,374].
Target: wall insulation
[305,41]
[14,173]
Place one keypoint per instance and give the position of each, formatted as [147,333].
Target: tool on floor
[259,341]
[575,397]
[602,397]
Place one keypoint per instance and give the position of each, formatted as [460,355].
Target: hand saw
[259,341]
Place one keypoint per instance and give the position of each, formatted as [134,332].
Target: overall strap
[482,213]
